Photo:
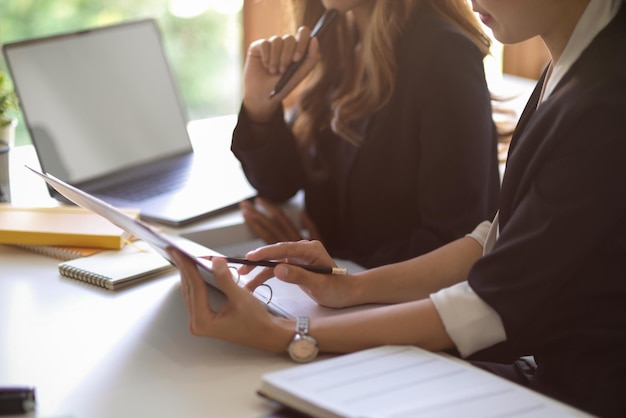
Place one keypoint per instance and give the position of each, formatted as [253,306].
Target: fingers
[261,277]
[286,230]
[305,252]
[277,52]
[190,276]
[269,223]
[280,54]
[242,319]
[224,278]
[260,49]
[202,320]
[286,273]
[308,63]
[313,54]
[267,60]
[194,294]
[302,37]
[326,290]
[258,223]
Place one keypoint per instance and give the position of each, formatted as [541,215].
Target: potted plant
[8,111]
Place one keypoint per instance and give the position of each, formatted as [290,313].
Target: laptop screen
[99,101]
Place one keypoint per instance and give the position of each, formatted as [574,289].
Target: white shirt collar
[596,17]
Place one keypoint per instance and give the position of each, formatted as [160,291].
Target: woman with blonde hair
[391,136]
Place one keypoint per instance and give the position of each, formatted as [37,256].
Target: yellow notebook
[62,225]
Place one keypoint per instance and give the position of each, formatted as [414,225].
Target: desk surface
[95,353]
[100,354]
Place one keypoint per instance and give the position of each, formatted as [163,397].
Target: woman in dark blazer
[562,224]
[546,278]
[385,177]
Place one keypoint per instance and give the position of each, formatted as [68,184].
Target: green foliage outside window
[8,101]
[204,51]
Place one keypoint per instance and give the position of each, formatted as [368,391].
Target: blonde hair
[340,76]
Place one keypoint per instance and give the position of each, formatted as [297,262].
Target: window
[203,41]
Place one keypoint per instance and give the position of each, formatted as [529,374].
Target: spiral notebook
[114,269]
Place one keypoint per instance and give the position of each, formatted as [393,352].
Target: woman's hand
[271,224]
[267,59]
[335,291]
[242,319]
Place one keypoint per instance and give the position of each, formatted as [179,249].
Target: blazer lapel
[519,153]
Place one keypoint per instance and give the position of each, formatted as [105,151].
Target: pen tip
[272,94]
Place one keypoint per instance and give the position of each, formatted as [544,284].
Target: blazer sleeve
[556,273]
[272,164]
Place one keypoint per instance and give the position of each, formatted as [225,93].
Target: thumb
[310,60]
[293,274]
[223,277]
[313,55]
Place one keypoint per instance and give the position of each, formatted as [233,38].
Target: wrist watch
[303,348]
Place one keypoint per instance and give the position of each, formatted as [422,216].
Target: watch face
[303,349]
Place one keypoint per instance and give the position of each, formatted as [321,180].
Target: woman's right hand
[334,291]
[266,61]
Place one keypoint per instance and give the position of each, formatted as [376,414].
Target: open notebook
[405,382]
[104,114]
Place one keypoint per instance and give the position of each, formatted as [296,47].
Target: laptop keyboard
[150,186]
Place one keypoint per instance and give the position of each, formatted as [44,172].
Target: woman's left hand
[242,319]
[271,224]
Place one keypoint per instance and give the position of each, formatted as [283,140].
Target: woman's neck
[558,35]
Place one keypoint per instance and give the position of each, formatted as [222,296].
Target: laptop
[104,114]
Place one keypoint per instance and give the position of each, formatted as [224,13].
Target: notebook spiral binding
[83,275]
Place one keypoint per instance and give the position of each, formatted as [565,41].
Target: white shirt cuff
[470,322]
[480,233]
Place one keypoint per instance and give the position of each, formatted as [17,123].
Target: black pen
[322,24]
[267,263]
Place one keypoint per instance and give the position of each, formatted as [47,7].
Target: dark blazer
[557,273]
[426,172]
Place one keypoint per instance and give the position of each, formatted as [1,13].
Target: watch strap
[302,325]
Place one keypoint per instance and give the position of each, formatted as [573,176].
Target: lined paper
[405,381]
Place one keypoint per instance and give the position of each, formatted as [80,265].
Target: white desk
[99,354]
[94,353]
